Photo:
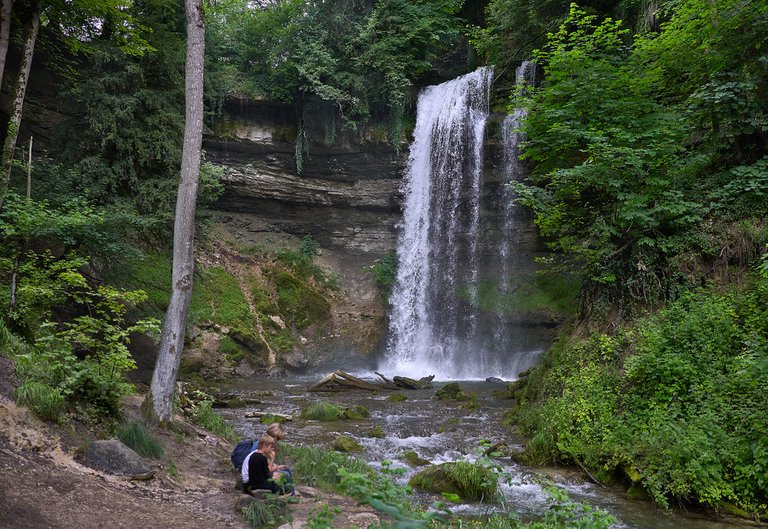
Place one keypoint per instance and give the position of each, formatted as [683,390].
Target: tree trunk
[172,340]
[5,33]
[18,102]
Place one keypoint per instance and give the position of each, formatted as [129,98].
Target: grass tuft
[136,436]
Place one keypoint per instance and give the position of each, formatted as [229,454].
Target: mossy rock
[448,392]
[346,444]
[632,473]
[397,397]
[638,492]
[270,419]
[735,510]
[472,482]
[235,403]
[299,303]
[377,432]
[357,412]
[413,459]
[434,479]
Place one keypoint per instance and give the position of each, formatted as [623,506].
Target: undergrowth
[675,404]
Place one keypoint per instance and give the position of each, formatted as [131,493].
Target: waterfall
[439,324]
[511,214]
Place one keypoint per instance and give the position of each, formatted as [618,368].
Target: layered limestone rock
[346,195]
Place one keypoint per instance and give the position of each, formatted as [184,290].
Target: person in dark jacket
[256,474]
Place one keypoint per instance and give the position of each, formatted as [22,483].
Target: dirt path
[44,485]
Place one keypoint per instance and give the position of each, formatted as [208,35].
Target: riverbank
[45,483]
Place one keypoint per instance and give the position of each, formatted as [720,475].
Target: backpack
[242,450]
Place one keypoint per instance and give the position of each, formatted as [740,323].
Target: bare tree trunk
[5,33]
[18,102]
[160,404]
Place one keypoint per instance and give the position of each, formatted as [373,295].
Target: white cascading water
[511,213]
[436,324]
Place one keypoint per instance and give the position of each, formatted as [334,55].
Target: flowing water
[441,320]
[441,431]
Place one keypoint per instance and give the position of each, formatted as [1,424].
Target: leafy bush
[384,272]
[86,358]
[136,436]
[676,404]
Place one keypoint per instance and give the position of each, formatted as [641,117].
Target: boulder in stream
[471,481]
[346,444]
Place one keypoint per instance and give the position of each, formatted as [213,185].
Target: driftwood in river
[409,383]
[341,380]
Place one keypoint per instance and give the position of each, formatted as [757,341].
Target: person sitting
[277,432]
[256,474]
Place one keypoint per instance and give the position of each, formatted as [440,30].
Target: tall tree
[172,341]
[5,33]
[12,131]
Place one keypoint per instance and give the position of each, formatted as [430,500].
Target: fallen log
[409,383]
[388,384]
[339,380]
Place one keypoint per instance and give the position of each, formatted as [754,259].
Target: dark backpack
[242,450]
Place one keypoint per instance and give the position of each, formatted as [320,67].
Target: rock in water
[494,379]
[113,457]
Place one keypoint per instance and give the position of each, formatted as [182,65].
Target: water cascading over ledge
[438,325]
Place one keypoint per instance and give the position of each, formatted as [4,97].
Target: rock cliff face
[346,196]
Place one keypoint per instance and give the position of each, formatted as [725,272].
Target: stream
[441,431]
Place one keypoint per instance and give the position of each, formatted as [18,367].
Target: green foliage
[384,272]
[345,443]
[45,401]
[264,514]
[299,303]
[354,59]
[308,247]
[635,139]
[476,482]
[217,297]
[135,436]
[204,416]
[676,404]
[86,358]
[319,468]
[322,411]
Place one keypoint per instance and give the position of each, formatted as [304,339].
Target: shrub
[384,272]
[676,404]
[136,436]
